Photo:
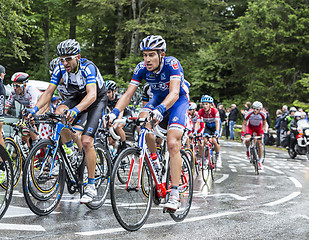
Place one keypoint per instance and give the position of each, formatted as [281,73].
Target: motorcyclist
[293,130]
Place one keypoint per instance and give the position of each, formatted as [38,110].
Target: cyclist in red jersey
[209,115]
[254,121]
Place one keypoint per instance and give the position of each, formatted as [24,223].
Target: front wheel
[6,181]
[43,178]
[292,153]
[16,158]
[131,205]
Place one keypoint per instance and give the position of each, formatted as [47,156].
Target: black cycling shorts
[92,115]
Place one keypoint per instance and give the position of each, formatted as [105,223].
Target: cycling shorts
[177,113]
[94,114]
[209,131]
[254,129]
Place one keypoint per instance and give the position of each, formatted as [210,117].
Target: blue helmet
[153,42]
[206,98]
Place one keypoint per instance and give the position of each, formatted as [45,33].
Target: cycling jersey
[2,100]
[194,121]
[159,83]
[112,103]
[29,97]
[75,83]
[255,120]
[209,118]
[147,93]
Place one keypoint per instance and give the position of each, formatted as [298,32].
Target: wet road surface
[238,205]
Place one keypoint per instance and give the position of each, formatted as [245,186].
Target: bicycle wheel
[213,165]
[124,168]
[206,165]
[6,181]
[102,177]
[16,158]
[254,159]
[191,159]
[43,184]
[130,205]
[185,190]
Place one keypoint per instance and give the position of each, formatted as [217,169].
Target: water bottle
[156,162]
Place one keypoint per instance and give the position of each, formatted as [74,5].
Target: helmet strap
[160,61]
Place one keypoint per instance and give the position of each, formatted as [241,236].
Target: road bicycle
[253,149]
[6,180]
[144,181]
[17,149]
[48,168]
[194,140]
[209,162]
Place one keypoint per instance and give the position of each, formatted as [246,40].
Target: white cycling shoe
[89,194]
[173,203]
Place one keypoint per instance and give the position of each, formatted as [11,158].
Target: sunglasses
[67,59]
[17,85]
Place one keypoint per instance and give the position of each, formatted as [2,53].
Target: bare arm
[173,95]
[46,96]
[90,97]
[125,99]
[244,123]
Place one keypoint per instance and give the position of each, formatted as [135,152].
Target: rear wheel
[43,178]
[102,176]
[130,204]
[206,164]
[6,181]
[16,158]
[254,159]
[185,189]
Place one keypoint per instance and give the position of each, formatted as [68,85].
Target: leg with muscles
[174,145]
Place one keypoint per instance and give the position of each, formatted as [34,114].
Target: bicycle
[6,180]
[17,150]
[195,152]
[132,199]
[209,162]
[254,158]
[43,187]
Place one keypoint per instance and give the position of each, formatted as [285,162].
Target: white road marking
[237,197]
[272,169]
[22,227]
[282,200]
[223,178]
[158,224]
[296,182]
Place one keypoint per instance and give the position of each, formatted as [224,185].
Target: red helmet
[20,77]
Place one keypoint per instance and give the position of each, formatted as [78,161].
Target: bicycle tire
[213,165]
[6,182]
[130,206]
[191,158]
[254,156]
[102,177]
[16,158]
[185,190]
[42,190]
[206,169]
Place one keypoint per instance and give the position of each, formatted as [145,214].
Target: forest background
[233,50]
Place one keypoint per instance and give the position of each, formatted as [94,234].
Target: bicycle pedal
[168,210]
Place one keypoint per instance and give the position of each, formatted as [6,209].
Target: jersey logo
[90,130]
[163,77]
[174,64]
[175,119]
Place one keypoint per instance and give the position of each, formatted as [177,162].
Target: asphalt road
[238,205]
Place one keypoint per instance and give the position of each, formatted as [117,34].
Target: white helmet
[192,106]
[257,105]
[153,42]
[293,109]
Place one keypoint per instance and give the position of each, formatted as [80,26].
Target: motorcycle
[302,140]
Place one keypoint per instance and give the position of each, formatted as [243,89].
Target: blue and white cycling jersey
[86,73]
[159,82]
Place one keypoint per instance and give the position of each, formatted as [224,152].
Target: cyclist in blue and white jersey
[170,95]
[86,93]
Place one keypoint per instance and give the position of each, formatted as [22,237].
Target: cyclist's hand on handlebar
[216,134]
[72,114]
[157,115]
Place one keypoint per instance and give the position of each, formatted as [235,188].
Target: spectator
[227,131]
[266,133]
[277,126]
[222,117]
[232,120]
[247,108]
[304,116]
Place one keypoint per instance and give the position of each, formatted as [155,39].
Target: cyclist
[166,78]
[113,98]
[86,90]
[210,116]
[2,102]
[254,122]
[192,117]
[293,129]
[26,95]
